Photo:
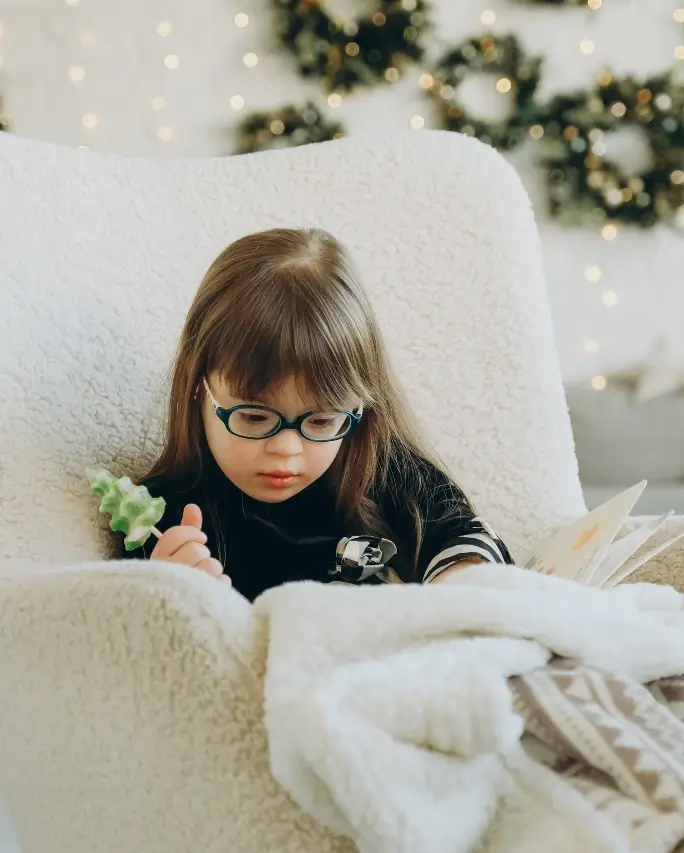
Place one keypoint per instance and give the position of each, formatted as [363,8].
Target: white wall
[116,43]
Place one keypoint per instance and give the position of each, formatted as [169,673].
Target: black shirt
[263,545]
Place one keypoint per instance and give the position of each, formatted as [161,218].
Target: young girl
[287,432]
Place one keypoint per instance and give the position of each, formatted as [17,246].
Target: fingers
[212,567]
[192,516]
[175,538]
[192,554]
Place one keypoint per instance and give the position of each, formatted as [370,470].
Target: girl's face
[271,469]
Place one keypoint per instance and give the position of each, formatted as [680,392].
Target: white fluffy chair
[130,718]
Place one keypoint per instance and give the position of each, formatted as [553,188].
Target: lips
[278,479]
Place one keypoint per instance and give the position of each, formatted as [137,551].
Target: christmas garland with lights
[584,187]
[347,54]
[592,4]
[285,127]
[518,73]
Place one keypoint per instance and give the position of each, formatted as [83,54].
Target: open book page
[632,565]
[619,552]
[575,551]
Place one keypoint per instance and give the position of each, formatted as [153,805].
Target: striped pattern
[479,542]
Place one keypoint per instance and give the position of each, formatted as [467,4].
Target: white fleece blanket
[392,717]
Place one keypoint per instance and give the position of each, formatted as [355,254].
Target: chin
[270,498]
[273,496]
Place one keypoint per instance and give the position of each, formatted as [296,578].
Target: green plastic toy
[133,510]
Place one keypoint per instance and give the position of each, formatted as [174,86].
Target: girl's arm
[455,538]
[456,567]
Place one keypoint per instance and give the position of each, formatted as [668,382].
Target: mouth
[279,479]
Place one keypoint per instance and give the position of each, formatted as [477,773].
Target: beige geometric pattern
[623,731]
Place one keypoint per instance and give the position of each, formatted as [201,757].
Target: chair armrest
[667,567]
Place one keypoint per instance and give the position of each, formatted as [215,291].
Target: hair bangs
[266,341]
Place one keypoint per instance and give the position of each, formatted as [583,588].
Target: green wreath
[347,54]
[286,127]
[584,187]
[519,75]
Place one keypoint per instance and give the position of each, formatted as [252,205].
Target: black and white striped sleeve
[455,538]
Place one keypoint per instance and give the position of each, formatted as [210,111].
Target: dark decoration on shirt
[346,54]
[518,75]
[285,127]
[359,557]
[584,187]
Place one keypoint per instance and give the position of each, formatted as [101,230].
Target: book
[586,551]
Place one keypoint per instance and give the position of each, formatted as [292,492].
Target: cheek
[230,452]
[322,456]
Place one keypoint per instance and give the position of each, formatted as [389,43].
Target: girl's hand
[186,544]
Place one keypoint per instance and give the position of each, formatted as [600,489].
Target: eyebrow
[313,407]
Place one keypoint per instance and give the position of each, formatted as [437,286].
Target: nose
[288,442]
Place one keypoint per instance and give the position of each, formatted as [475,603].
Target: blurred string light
[164,29]
[587,47]
[609,298]
[678,16]
[76,73]
[250,60]
[488,17]
[171,61]
[241,19]
[417,122]
[237,102]
[335,100]
[158,103]
[90,121]
[165,133]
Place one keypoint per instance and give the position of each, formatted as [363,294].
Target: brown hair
[288,302]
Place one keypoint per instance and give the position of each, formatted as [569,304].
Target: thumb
[192,516]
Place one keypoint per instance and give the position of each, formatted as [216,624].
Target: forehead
[291,396]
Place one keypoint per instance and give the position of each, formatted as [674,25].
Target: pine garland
[285,127]
[584,187]
[518,74]
[346,54]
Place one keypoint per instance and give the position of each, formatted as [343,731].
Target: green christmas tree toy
[133,510]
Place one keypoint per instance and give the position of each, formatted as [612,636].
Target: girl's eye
[321,423]
[252,418]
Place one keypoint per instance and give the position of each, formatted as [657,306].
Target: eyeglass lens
[260,423]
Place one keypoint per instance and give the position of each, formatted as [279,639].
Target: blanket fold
[502,711]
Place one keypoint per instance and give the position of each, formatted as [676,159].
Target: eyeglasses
[258,422]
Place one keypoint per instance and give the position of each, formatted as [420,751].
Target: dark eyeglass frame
[224,416]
